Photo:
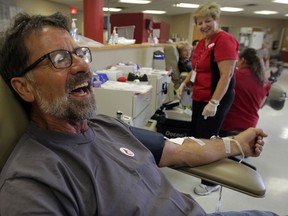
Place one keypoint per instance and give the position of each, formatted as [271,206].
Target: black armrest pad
[230,174]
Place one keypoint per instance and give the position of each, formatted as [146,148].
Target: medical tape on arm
[227,145]
[180,140]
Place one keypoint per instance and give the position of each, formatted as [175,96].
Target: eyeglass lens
[63,58]
[60,59]
[84,53]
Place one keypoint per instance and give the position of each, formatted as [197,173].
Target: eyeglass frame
[47,55]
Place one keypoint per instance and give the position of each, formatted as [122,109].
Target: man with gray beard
[71,162]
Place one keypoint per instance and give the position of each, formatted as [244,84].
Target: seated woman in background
[184,49]
[251,88]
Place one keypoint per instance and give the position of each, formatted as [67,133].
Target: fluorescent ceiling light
[153,12]
[231,9]
[111,9]
[265,12]
[281,1]
[135,1]
[186,5]
[286,15]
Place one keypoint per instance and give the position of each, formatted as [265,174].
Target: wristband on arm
[227,145]
[214,102]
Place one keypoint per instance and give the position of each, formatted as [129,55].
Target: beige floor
[272,165]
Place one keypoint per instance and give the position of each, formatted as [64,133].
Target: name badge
[193,77]
[211,45]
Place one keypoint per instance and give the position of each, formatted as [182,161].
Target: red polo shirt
[225,47]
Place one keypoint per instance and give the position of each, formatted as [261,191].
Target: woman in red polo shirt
[212,77]
[250,90]
[213,65]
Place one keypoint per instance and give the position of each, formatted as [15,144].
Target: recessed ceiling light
[231,9]
[135,1]
[153,12]
[111,9]
[281,1]
[186,5]
[265,12]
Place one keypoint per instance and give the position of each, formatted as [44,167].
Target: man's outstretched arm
[194,153]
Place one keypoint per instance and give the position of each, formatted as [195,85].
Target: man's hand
[251,141]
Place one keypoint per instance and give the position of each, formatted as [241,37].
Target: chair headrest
[277,97]
[13,121]
[171,61]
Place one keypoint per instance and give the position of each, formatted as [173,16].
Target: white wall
[182,25]
[46,8]
[108,56]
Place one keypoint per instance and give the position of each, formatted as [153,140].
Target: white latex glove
[180,90]
[209,110]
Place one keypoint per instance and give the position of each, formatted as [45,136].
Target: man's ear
[23,87]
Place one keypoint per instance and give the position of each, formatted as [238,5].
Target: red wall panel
[136,19]
[164,31]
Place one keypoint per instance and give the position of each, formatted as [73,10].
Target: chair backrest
[13,121]
[171,62]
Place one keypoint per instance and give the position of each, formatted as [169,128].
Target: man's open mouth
[80,90]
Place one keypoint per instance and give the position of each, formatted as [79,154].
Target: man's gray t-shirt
[103,171]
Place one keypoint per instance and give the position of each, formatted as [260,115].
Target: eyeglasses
[61,59]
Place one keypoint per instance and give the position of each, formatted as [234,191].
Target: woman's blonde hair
[210,9]
[183,44]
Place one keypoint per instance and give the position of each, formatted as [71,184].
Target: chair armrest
[230,174]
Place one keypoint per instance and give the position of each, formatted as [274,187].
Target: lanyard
[202,50]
